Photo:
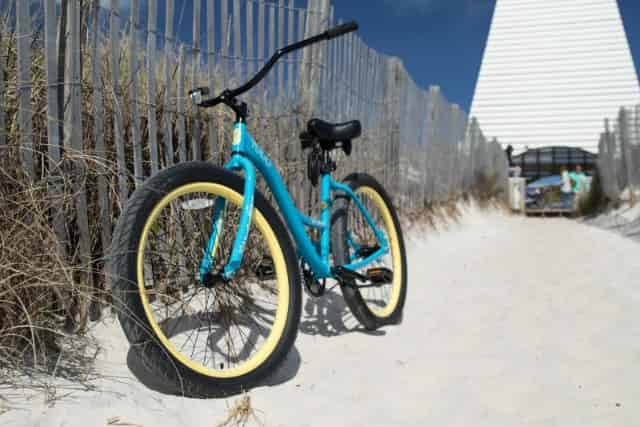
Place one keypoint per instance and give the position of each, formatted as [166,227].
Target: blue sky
[441,41]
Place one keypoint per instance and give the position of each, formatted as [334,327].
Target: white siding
[552,71]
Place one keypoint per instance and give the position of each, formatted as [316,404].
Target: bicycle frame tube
[248,156]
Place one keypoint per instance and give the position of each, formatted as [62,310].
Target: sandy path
[509,321]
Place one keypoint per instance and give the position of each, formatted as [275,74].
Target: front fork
[237,162]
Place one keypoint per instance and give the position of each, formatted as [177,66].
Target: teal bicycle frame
[247,156]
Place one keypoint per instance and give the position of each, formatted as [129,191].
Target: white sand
[625,221]
[509,322]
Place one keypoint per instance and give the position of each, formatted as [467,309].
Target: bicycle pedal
[345,275]
[380,275]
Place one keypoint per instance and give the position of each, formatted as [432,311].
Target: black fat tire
[154,358]
[340,250]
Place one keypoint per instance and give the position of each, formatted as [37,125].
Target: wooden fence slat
[355,87]
[306,86]
[168,83]
[224,41]
[302,14]
[291,18]
[306,54]
[281,66]
[272,78]
[344,72]
[281,123]
[118,131]
[53,134]
[53,130]
[73,131]
[3,120]
[23,83]
[135,113]
[211,47]
[152,28]
[322,20]
[182,137]
[291,143]
[98,137]
[237,46]
[251,63]
[261,36]
[335,91]
[272,139]
[196,149]
[352,66]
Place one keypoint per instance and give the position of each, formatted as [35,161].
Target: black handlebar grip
[342,29]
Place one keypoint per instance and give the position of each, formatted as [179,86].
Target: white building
[552,71]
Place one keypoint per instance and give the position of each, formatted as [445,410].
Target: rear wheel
[352,238]
[210,338]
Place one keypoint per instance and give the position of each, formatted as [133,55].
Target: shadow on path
[326,316]
[285,372]
[329,316]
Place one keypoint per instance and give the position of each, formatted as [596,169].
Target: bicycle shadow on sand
[285,372]
[326,316]
[329,316]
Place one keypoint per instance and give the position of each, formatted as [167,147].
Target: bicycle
[207,282]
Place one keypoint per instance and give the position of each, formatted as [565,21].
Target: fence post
[290,39]
[261,54]
[73,140]
[168,79]
[211,47]
[473,136]
[317,17]
[3,121]
[98,136]
[152,121]
[118,131]
[450,147]
[182,143]
[196,149]
[390,123]
[133,71]
[237,41]
[23,83]
[281,66]
[431,162]
[611,162]
[625,151]
[224,40]
[53,130]
[272,77]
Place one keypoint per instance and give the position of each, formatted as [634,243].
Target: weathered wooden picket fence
[94,93]
[619,156]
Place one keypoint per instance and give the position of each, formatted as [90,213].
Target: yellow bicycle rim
[394,247]
[282,283]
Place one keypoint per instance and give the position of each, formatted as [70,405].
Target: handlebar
[341,30]
[229,94]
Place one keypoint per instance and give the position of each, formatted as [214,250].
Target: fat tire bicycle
[206,278]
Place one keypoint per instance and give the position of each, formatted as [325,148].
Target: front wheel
[352,238]
[206,338]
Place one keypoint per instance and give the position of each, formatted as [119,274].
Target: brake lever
[197,93]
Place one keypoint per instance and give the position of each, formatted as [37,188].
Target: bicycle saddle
[334,132]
